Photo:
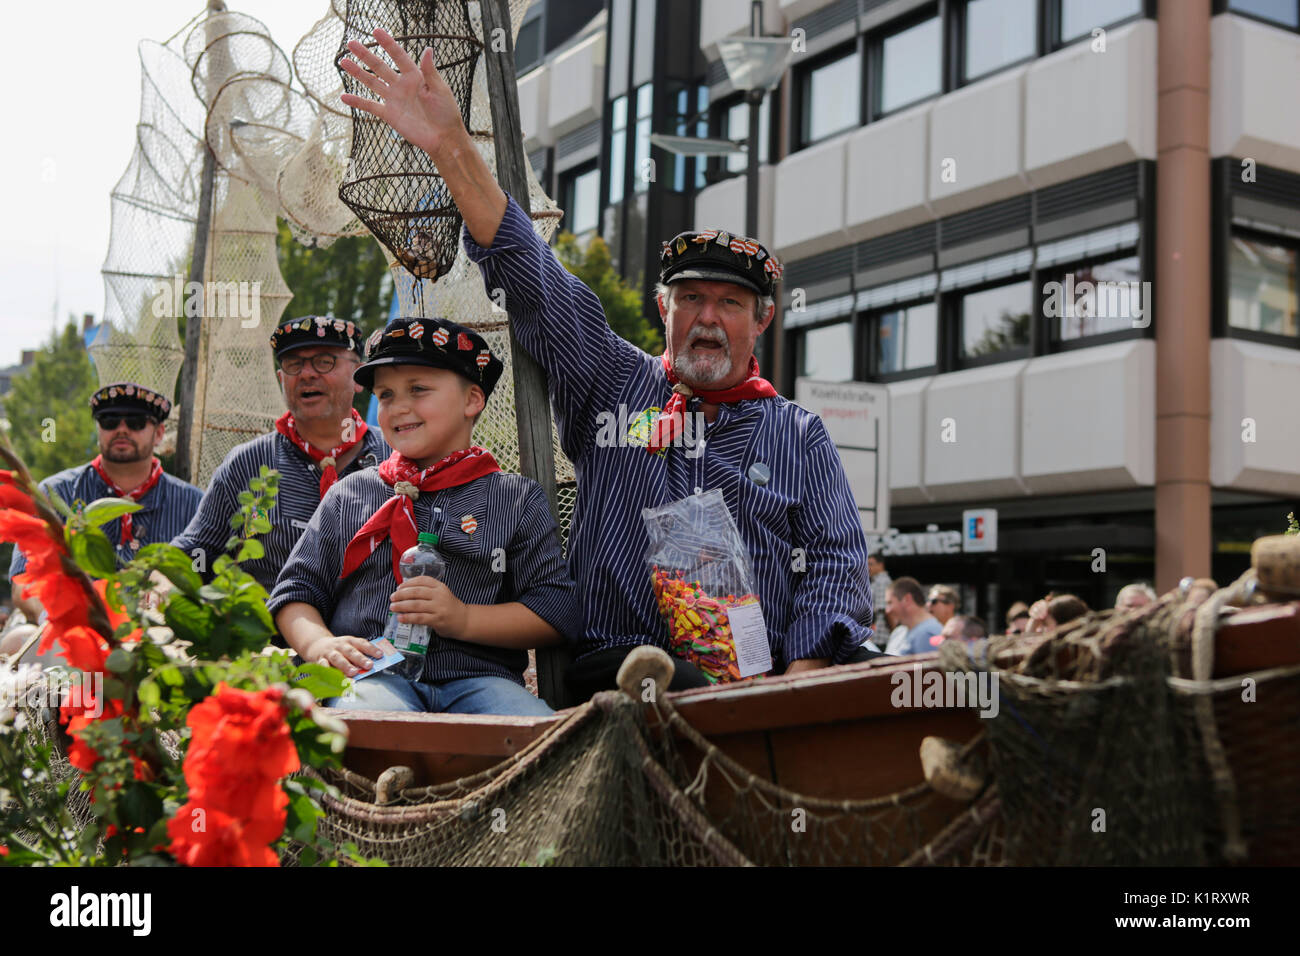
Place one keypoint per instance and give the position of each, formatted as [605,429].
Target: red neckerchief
[395,519]
[328,471]
[155,474]
[669,423]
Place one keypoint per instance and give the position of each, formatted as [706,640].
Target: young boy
[507,587]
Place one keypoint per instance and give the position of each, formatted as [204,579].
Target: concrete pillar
[1182,292]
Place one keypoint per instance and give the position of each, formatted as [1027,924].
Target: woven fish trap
[392,186]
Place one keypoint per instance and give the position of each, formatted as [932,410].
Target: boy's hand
[428,601]
[344,652]
[415,100]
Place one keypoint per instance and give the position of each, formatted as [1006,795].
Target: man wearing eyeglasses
[317,441]
[129,420]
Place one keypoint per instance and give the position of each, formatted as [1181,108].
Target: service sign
[979,530]
[856,416]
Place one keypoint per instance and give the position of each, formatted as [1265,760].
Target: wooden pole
[532,405]
[184,466]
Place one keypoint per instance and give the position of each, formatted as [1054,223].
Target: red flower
[239,750]
[4,851]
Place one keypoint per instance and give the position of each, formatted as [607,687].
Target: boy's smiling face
[426,413]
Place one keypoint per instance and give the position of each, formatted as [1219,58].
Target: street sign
[856,416]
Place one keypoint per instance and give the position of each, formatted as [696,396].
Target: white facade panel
[972,434]
[1088,109]
[809,202]
[794,9]
[1254,430]
[975,133]
[1254,82]
[886,175]
[1088,419]
[906,430]
[722,205]
[533,101]
[576,84]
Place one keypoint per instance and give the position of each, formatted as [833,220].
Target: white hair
[762,303]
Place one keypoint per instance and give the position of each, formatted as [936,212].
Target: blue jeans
[467,695]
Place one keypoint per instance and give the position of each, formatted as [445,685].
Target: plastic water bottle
[412,640]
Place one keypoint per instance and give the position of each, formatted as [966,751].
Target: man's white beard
[702,369]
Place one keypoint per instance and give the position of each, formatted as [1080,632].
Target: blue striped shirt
[802,528]
[513,555]
[299,494]
[164,509]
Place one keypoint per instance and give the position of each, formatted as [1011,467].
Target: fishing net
[154,206]
[392,185]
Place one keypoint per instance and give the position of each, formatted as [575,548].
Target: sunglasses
[134,422]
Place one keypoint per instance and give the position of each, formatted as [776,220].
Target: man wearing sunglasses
[129,425]
[316,442]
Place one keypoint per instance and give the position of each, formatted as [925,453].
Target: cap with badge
[315,330]
[128,398]
[436,343]
[718,256]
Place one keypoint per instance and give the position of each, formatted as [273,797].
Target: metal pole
[767,346]
[185,427]
[532,405]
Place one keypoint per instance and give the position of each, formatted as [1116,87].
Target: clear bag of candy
[704,586]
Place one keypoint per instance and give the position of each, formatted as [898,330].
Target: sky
[72,102]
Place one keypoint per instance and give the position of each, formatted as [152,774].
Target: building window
[644,173]
[528,48]
[911,65]
[735,127]
[1262,287]
[905,339]
[829,97]
[1080,17]
[1097,298]
[617,149]
[996,320]
[580,192]
[826,354]
[691,119]
[998,33]
[1283,12]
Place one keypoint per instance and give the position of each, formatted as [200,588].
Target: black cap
[128,398]
[720,257]
[436,343]
[315,330]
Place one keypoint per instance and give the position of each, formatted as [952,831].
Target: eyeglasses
[134,422]
[321,363]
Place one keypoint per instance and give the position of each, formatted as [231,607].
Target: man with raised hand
[778,470]
[129,425]
[318,440]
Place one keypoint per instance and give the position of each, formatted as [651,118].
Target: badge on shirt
[468,524]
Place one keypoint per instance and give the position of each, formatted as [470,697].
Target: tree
[48,408]
[347,279]
[621,301]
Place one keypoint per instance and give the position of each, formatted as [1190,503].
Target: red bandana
[328,474]
[669,423]
[396,517]
[155,473]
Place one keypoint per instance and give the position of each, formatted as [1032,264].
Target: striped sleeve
[312,572]
[832,599]
[539,575]
[557,319]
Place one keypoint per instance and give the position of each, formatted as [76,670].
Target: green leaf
[148,694]
[119,661]
[251,550]
[190,621]
[92,552]
[213,594]
[140,804]
[320,681]
[103,510]
[260,525]
[173,564]
[246,497]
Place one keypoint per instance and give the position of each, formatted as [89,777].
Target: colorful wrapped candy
[698,628]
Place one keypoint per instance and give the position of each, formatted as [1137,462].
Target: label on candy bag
[749,634]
